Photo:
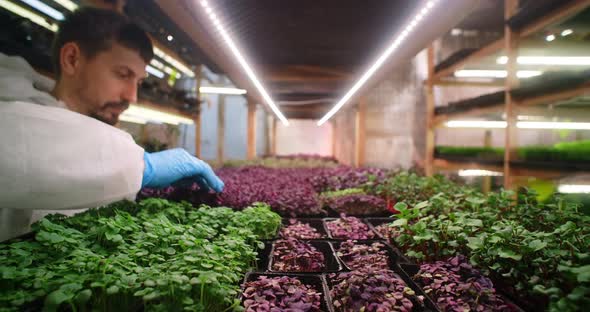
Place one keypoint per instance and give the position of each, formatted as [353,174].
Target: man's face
[107,83]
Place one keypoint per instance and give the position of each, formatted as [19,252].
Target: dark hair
[95,30]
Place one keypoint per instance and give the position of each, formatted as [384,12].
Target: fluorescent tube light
[222,90]
[479,173]
[379,62]
[20,11]
[547,125]
[553,125]
[238,55]
[137,112]
[486,124]
[45,9]
[174,62]
[567,32]
[574,189]
[67,4]
[154,72]
[488,73]
[548,60]
[132,119]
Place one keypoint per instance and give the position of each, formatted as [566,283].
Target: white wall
[304,137]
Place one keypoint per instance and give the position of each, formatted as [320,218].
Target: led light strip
[140,113]
[67,4]
[394,45]
[20,11]
[486,124]
[174,62]
[249,71]
[479,173]
[574,188]
[45,9]
[222,90]
[168,70]
[154,71]
[548,60]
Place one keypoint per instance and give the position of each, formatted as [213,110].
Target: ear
[70,58]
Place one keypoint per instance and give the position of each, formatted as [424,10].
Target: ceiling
[308,53]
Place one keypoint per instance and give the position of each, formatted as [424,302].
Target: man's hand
[166,167]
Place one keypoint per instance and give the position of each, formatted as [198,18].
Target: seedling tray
[330,260]
[316,281]
[330,236]
[428,305]
[315,223]
[392,255]
[412,269]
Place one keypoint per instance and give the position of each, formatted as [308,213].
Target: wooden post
[511,48]
[273,142]
[359,140]
[487,180]
[220,129]
[197,118]
[430,126]
[251,129]
[267,149]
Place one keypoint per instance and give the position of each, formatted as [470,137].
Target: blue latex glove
[167,167]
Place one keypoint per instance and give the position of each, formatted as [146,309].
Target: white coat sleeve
[52,158]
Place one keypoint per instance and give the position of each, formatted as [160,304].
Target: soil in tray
[345,228]
[369,288]
[412,269]
[303,228]
[273,292]
[300,259]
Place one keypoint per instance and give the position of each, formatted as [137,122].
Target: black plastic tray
[315,223]
[318,281]
[429,305]
[325,220]
[326,248]
[411,270]
[393,256]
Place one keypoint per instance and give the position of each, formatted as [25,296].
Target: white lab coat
[52,158]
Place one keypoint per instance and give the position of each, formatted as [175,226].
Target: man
[59,149]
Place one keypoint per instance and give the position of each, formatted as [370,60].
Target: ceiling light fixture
[137,112]
[485,124]
[170,38]
[22,12]
[45,9]
[67,4]
[174,62]
[222,90]
[155,72]
[490,73]
[479,173]
[574,188]
[379,62]
[550,38]
[547,125]
[553,125]
[548,60]
[238,55]
[567,32]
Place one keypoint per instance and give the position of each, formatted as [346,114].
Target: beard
[106,116]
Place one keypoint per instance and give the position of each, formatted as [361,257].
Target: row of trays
[335,267]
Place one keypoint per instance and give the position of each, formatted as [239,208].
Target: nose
[130,92]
